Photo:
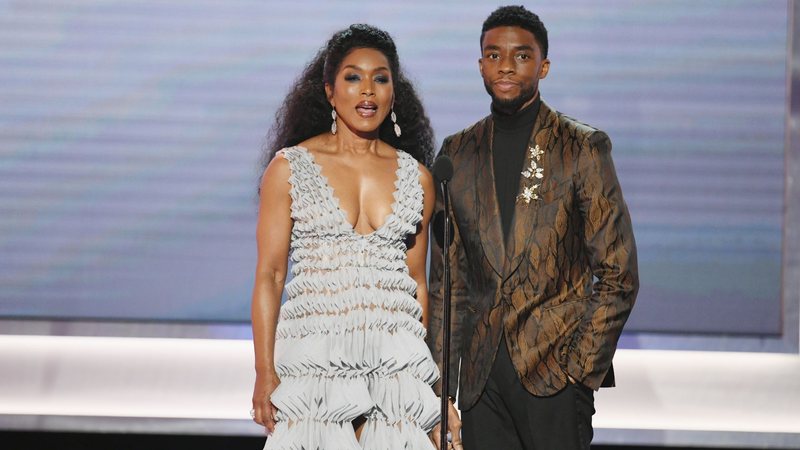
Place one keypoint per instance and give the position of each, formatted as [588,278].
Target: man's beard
[512,105]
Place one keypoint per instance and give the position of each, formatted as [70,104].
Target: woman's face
[363,92]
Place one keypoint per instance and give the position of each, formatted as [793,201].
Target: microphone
[443,169]
[443,232]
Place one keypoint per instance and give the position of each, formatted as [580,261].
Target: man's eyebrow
[517,48]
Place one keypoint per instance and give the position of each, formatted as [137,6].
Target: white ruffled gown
[349,341]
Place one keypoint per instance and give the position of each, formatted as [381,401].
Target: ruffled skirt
[360,359]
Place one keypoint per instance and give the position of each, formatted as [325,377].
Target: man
[543,258]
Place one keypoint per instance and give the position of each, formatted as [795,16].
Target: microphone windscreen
[443,169]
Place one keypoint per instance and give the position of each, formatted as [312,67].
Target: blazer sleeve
[608,236]
[458,293]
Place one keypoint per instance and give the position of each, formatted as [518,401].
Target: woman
[346,366]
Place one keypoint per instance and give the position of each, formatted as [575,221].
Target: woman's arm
[273,235]
[418,253]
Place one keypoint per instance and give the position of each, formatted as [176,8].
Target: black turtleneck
[509,144]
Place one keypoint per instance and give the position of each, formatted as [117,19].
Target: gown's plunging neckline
[337,204]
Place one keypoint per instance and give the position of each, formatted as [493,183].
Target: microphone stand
[446,319]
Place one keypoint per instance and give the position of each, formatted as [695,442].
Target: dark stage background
[78,441]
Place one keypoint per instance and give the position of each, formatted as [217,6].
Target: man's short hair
[517,16]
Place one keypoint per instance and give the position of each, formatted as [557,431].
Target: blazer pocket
[564,317]
[566,303]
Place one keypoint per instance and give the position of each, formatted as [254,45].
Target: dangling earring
[393,116]
[333,125]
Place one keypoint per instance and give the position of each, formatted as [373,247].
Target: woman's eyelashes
[354,78]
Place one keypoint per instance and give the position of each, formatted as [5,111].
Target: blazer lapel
[490,228]
[525,213]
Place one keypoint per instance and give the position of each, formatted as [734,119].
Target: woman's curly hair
[306,111]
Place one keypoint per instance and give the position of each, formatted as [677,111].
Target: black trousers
[508,417]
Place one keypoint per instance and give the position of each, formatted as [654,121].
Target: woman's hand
[263,410]
[453,425]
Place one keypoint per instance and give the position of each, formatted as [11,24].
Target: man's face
[511,65]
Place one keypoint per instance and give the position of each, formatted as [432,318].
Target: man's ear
[480,66]
[545,69]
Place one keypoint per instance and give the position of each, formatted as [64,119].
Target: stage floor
[203,386]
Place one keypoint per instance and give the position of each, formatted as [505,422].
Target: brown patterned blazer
[563,286]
